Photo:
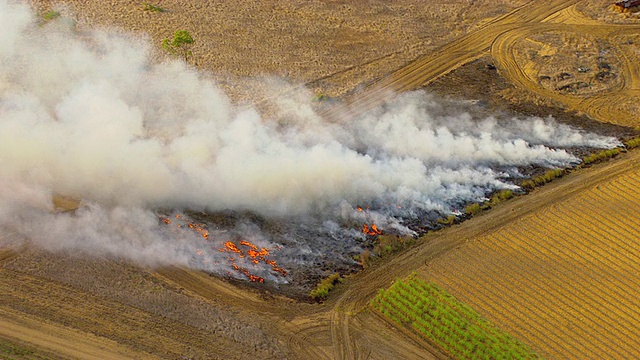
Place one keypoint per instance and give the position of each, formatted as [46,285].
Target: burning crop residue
[183,222]
[371,230]
[243,256]
[254,255]
[100,121]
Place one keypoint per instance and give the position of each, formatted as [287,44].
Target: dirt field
[70,307]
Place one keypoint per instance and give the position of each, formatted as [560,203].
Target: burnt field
[284,195]
[300,249]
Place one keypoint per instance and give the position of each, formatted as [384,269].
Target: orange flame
[373,230]
[248,244]
[231,247]
[255,254]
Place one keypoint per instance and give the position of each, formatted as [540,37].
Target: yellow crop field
[564,279]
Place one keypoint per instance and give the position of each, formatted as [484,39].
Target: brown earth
[70,307]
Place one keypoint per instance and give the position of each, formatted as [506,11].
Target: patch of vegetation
[180,44]
[542,179]
[10,351]
[501,196]
[51,15]
[632,143]
[325,286]
[152,8]
[320,97]
[601,156]
[448,220]
[453,327]
[472,209]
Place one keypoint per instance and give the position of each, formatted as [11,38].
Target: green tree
[180,44]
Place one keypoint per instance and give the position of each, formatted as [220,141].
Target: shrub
[51,15]
[501,195]
[449,220]
[325,286]
[602,155]
[180,44]
[632,143]
[472,209]
[152,8]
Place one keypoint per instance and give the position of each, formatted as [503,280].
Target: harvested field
[561,279]
[333,46]
[574,281]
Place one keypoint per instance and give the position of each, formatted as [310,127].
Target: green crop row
[431,312]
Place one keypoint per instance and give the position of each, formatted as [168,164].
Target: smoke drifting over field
[89,116]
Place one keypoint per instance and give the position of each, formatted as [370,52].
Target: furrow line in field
[563,306]
[507,317]
[617,194]
[582,299]
[615,245]
[486,268]
[598,201]
[600,228]
[591,243]
[554,255]
[624,185]
[551,257]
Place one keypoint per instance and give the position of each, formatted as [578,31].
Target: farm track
[604,106]
[579,303]
[446,59]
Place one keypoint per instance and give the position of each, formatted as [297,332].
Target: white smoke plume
[88,115]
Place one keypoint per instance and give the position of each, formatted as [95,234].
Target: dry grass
[337,45]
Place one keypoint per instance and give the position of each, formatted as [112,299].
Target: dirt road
[607,106]
[447,58]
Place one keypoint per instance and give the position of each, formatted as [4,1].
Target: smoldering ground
[87,114]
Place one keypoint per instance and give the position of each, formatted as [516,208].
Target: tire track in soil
[603,106]
[414,75]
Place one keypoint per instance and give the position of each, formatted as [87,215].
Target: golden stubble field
[563,278]
[554,268]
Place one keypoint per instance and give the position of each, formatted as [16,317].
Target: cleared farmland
[564,279]
[456,329]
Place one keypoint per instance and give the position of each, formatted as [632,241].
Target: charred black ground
[474,87]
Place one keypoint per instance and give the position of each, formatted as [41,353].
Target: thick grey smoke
[88,115]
